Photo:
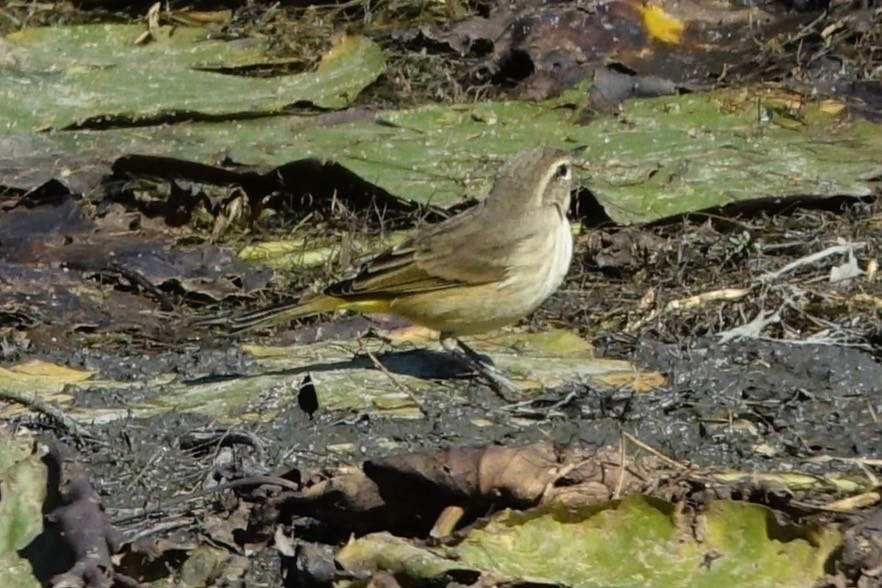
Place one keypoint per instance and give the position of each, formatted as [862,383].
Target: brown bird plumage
[500,244]
[484,268]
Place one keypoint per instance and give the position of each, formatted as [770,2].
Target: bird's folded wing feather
[457,252]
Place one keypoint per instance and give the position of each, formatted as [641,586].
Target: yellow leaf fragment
[832,106]
[44,370]
[661,25]
[637,381]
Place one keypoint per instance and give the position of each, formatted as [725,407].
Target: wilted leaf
[61,76]
[547,47]
[637,541]
[23,481]
[662,157]
[39,376]
[408,491]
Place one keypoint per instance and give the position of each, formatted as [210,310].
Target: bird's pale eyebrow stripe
[552,170]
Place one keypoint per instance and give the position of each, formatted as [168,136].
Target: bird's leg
[503,387]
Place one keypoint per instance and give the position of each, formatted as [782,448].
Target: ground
[763,319]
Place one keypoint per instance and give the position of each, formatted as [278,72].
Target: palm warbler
[484,268]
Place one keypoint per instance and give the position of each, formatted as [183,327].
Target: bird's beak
[575,151]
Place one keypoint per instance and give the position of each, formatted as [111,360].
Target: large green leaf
[58,76]
[344,375]
[661,157]
[638,541]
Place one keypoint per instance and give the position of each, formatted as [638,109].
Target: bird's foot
[507,390]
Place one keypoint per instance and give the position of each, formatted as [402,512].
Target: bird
[484,268]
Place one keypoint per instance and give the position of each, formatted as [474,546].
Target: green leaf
[634,542]
[642,541]
[59,76]
[344,376]
[23,484]
[662,157]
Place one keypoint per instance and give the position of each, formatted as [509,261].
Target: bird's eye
[563,172]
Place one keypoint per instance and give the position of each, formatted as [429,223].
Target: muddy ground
[764,402]
[801,394]
[786,376]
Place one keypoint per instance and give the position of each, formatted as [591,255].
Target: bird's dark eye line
[563,171]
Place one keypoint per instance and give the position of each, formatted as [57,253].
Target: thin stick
[50,410]
[398,383]
[185,498]
[810,259]
[561,473]
[655,452]
[690,302]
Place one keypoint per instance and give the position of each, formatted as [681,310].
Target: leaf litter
[787,406]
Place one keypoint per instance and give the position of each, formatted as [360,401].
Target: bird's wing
[453,253]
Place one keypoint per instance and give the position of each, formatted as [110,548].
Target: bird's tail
[288,311]
[276,314]
[284,312]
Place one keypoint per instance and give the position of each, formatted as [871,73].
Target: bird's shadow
[424,364]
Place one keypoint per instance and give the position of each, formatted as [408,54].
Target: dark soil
[801,391]
[771,402]
[775,402]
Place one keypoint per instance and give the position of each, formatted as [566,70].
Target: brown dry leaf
[63,271]
[410,491]
[593,476]
[626,247]
[190,563]
[222,529]
[154,547]
[684,42]
[515,475]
